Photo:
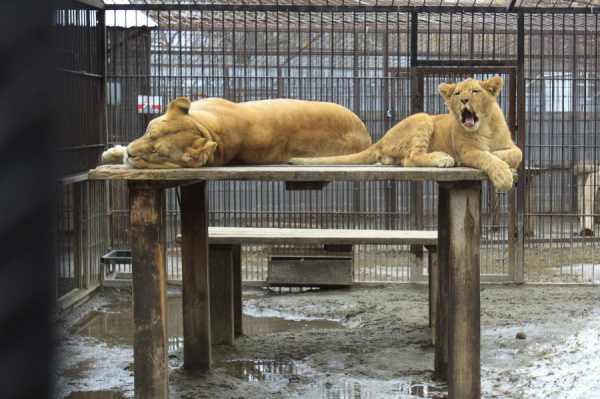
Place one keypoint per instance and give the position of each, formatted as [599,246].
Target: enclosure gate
[498,260]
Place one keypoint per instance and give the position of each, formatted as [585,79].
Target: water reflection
[258,370]
[113,324]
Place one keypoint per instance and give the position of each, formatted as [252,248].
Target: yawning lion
[474,134]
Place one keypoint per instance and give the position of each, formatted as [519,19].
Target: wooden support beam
[237,290]
[220,262]
[150,348]
[433,276]
[464,324]
[195,278]
[440,372]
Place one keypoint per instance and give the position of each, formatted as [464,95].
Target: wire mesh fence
[366,60]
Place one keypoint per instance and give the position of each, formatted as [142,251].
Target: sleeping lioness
[216,132]
[474,134]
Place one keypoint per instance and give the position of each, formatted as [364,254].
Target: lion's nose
[464,101]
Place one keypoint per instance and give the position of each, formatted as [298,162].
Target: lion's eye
[457,94]
[475,91]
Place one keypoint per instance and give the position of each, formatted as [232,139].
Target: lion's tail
[366,157]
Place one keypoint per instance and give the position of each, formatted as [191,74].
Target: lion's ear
[178,107]
[200,152]
[446,90]
[493,85]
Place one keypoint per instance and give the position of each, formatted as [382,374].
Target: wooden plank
[464,327]
[150,348]
[305,173]
[195,279]
[249,235]
[220,263]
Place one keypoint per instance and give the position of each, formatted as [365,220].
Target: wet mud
[368,342]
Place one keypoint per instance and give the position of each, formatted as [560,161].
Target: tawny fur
[482,141]
[216,132]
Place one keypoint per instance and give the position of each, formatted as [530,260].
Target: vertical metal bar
[521,96]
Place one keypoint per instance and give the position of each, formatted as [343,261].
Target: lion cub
[473,134]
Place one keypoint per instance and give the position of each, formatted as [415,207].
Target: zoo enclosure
[367,57]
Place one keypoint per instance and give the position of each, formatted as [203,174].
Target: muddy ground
[380,347]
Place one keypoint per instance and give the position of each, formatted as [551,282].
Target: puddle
[259,370]
[339,387]
[113,324]
[95,395]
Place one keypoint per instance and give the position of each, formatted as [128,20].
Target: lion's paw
[502,178]
[113,155]
[442,160]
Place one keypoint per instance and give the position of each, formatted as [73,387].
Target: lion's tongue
[469,120]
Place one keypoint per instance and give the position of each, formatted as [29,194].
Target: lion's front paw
[113,155]
[502,178]
[442,160]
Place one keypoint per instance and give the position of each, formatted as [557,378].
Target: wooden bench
[225,264]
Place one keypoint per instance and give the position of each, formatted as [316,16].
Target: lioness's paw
[113,155]
[442,160]
[502,178]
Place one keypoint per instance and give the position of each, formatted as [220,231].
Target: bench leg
[433,287]
[221,294]
[440,372]
[150,347]
[195,282]
[237,290]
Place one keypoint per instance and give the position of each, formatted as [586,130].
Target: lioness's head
[173,140]
[470,101]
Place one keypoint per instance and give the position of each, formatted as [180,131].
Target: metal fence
[367,60]
[80,220]
[121,66]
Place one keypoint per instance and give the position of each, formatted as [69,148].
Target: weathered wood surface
[150,348]
[315,272]
[290,173]
[221,294]
[195,279]
[464,326]
[440,369]
[250,235]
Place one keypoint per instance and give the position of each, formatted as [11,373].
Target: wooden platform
[456,287]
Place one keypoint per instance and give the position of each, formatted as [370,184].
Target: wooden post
[464,327]
[237,290]
[150,348]
[220,265]
[195,278]
[440,372]
[433,274]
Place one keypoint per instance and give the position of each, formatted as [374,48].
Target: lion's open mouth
[468,118]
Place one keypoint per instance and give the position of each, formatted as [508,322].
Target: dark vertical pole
[464,324]
[237,290]
[520,246]
[150,347]
[512,215]
[441,314]
[195,281]
[77,258]
[416,188]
